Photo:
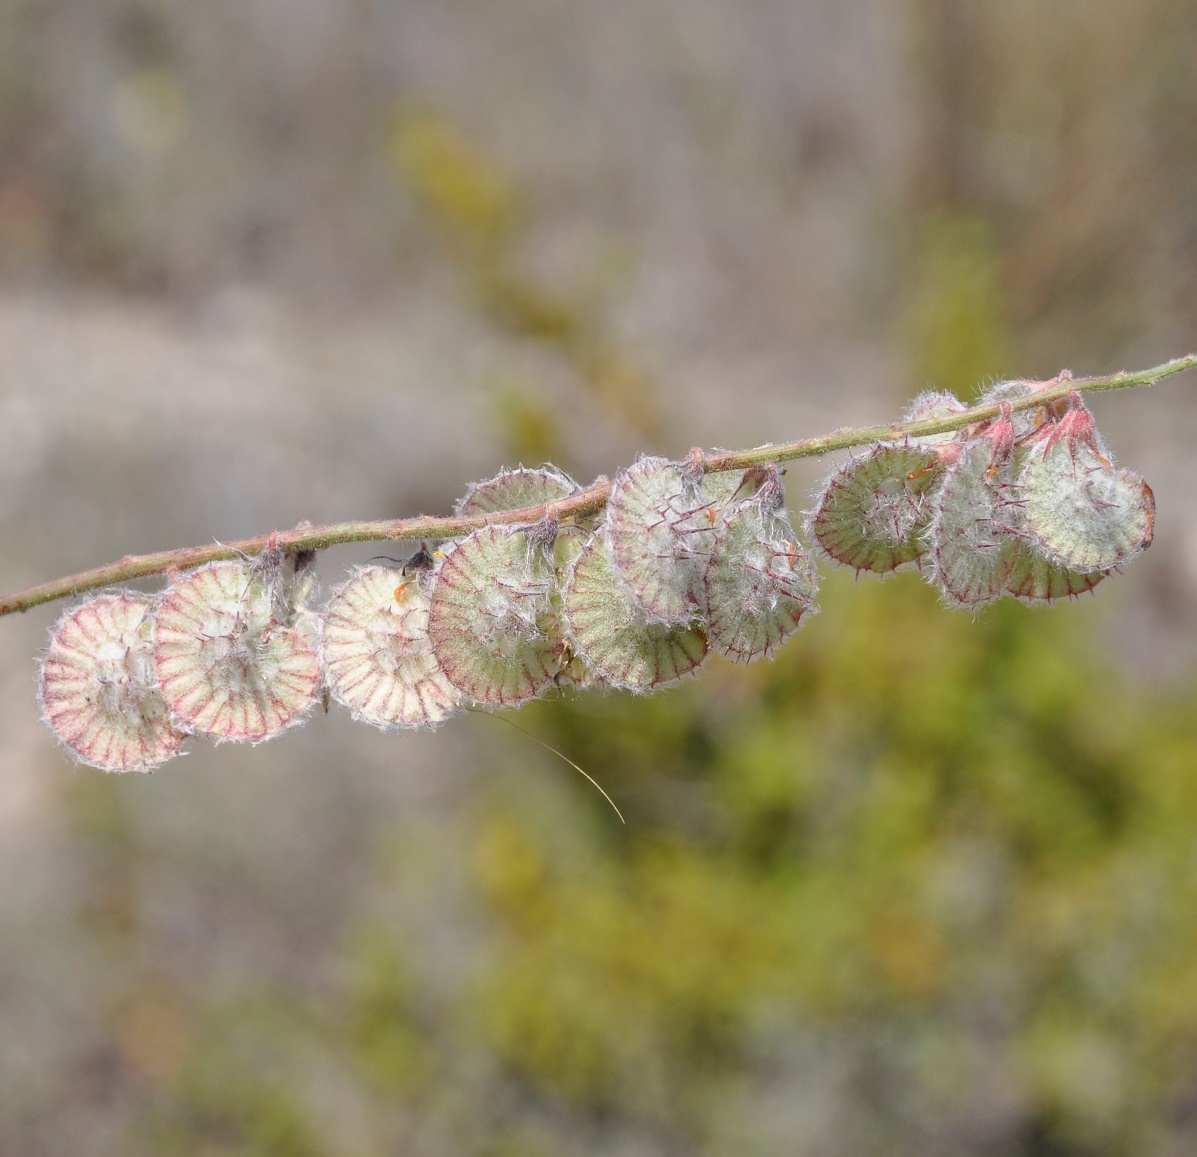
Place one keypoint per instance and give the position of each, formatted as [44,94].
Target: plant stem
[585,503]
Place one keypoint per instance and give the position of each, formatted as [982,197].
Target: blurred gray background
[264,261]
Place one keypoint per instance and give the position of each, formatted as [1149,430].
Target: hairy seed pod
[872,510]
[573,672]
[1034,578]
[98,690]
[934,404]
[761,485]
[971,533]
[1026,421]
[609,631]
[1083,511]
[759,583]
[236,659]
[659,526]
[516,489]
[376,654]
[493,620]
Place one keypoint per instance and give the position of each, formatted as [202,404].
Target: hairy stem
[586,502]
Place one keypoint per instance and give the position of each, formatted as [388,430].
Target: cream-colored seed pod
[377,657]
[234,660]
[98,689]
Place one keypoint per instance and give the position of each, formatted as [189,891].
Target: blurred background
[924,885]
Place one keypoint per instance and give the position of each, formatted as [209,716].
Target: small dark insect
[303,559]
[423,559]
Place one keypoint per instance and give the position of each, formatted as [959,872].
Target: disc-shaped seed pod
[759,583]
[235,660]
[1083,511]
[659,527]
[377,658]
[573,672]
[515,490]
[872,510]
[609,631]
[493,622]
[98,690]
[970,534]
[1034,578]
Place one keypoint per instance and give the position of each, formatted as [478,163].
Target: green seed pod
[493,620]
[873,509]
[376,654]
[235,659]
[574,672]
[515,490]
[1034,578]
[1082,511]
[759,583]
[98,690]
[609,631]
[970,535]
[659,526]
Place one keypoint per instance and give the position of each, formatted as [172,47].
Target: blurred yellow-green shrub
[924,879]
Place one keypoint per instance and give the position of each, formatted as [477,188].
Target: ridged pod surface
[235,660]
[1083,511]
[971,548]
[377,658]
[872,510]
[98,689]
[493,619]
[609,631]
[659,527]
[516,489]
[759,583]
[1034,578]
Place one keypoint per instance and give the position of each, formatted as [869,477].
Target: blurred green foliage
[951,861]
[465,194]
[241,1089]
[925,885]
[916,816]
[956,331]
